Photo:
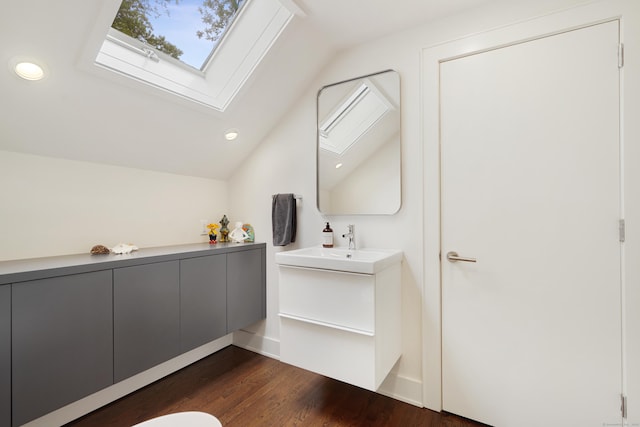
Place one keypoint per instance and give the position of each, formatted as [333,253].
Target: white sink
[367,261]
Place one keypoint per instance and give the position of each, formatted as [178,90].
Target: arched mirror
[358,146]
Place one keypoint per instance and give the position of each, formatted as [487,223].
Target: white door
[531,189]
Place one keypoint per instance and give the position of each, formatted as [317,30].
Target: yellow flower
[213,228]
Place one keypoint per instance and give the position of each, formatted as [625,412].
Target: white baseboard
[398,387]
[257,343]
[408,390]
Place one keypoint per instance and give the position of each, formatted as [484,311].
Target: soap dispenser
[327,237]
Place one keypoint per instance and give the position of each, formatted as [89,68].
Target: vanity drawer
[339,354]
[346,300]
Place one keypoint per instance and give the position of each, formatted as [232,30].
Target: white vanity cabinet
[339,324]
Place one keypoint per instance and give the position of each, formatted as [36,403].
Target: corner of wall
[257,343]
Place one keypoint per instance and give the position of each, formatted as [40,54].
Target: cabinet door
[5,355]
[246,290]
[62,341]
[146,317]
[203,300]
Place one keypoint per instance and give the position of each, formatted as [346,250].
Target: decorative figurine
[238,235]
[249,229]
[224,231]
[213,228]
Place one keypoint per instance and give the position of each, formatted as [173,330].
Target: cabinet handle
[327,325]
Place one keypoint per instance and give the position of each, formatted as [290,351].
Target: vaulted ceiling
[81,112]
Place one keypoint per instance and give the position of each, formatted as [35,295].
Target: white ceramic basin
[368,261]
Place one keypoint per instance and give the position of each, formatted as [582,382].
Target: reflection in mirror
[359,145]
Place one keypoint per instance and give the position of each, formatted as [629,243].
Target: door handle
[453,257]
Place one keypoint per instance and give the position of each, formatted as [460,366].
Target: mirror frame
[396,208]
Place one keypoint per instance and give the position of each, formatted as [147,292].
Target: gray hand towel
[283,219]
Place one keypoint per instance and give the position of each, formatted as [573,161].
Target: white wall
[57,207]
[285,162]
[631,211]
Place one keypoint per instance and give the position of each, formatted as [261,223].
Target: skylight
[187,30]
[210,69]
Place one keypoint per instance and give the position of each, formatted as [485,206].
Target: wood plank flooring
[243,389]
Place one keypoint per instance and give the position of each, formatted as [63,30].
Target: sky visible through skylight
[180,29]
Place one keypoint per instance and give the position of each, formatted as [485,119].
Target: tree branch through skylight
[187,30]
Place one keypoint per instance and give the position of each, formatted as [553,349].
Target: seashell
[123,248]
[99,250]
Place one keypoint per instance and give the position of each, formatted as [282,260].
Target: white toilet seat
[182,419]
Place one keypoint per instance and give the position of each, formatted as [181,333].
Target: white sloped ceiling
[79,112]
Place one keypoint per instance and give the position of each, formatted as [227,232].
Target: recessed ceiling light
[231,134]
[338,165]
[29,70]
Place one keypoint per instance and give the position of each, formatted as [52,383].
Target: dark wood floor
[244,389]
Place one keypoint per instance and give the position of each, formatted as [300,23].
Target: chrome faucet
[351,236]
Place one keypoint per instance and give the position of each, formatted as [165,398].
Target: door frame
[553,23]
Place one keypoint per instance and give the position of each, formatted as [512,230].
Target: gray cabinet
[62,342]
[73,325]
[5,355]
[246,290]
[203,300]
[146,316]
